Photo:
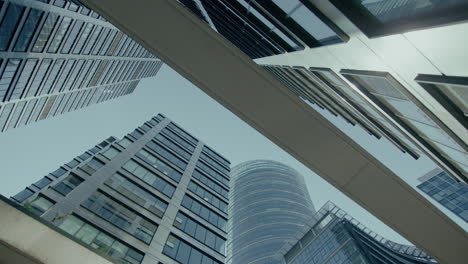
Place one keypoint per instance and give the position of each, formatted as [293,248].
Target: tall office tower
[333,236]
[56,57]
[159,195]
[269,203]
[451,194]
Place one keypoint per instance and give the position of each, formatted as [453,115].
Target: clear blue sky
[29,153]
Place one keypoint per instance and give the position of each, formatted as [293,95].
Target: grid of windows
[171,145]
[149,177]
[451,194]
[119,215]
[167,155]
[210,183]
[204,212]
[160,165]
[137,194]
[216,175]
[68,184]
[55,35]
[100,240]
[207,196]
[185,253]
[200,232]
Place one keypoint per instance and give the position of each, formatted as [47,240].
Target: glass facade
[269,203]
[448,192]
[66,56]
[125,198]
[336,238]
[265,28]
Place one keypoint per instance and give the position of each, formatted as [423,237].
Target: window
[137,194]
[216,175]
[72,36]
[119,215]
[204,212]
[160,165]
[210,183]
[100,241]
[7,76]
[184,253]
[72,164]
[149,177]
[417,120]
[450,91]
[377,18]
[39,78]
[27,32]
[23,195]
[200,232]
[136,134]
[171,145]
[85,156]
[110,153]
[9,23]
[213,162]
[60,34]
[181,132]
[207,196]
[42,182]
[68,184]
[41,204]
[59,172]
[167,155]
[125,142]
[92,166]
[46,30]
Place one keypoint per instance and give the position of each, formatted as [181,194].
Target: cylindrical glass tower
[269,203]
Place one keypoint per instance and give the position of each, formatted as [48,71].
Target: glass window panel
[183,253]
[87,234]
[41,204]
[72,36]
[71,224]
[39,77]
[9,24]
[83,37]
[24,78]
[23,195]
[60,34]
[409,110]
[54,72]
[42,182]
[27,32]
[46,30]
[436,134]
[7,76]
[312,24]
[92,40]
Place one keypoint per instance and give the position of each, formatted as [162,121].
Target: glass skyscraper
[156,196]
[333,237]
[57,56]
[451,194]
[269,203]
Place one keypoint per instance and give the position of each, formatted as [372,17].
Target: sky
[29,153]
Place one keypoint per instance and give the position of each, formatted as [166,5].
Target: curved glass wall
[269,203]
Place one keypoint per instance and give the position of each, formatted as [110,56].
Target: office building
[424,52]
[57,57]
[451,194]
[158,195]
[333,236]
[269,203]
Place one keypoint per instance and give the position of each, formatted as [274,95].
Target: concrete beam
[217,67]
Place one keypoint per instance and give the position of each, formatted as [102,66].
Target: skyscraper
[333,236]
[269,203]
[57,56]
[158,195]
[451,194]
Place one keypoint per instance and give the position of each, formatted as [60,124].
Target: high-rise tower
[57,56]
[269,203]
[158,195]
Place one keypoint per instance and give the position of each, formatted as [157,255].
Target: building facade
[158,195]
[269,203]
[57,56]
[333,236]
[451,194]
[422,111]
